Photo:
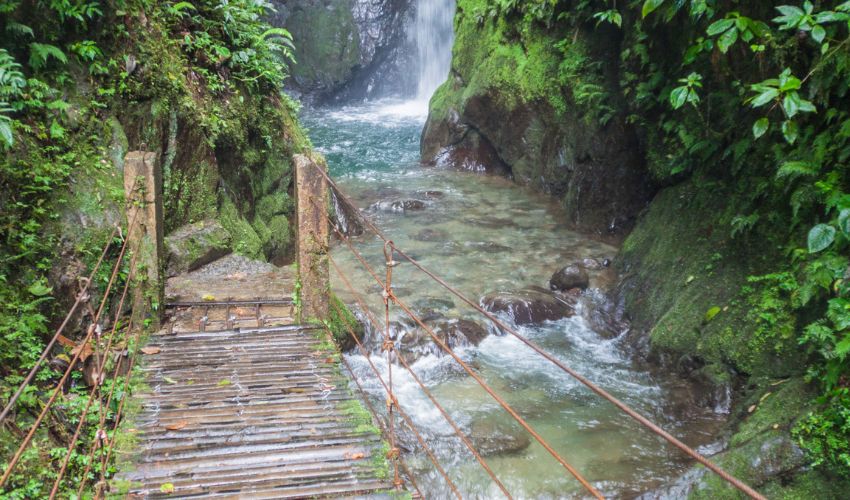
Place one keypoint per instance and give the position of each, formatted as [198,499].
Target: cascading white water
[434,35]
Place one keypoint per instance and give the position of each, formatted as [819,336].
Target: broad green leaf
[760,127]
[844,221]
[820,237]
[649,6]
[727,39]
[765,97]
[791,104]
[789,131]
[678,97]
[720,26]
[818,33]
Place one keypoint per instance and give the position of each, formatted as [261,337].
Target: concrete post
[143,193]
[313,237]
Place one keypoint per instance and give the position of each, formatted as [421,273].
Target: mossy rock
[195,245]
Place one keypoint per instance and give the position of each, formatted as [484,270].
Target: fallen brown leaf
[354,456]
[177,425]
[150,350]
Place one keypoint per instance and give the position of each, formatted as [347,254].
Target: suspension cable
[81,297]
[572,470]
[92,330]
[365,397]
[403,414]
[96,388]
[359,299]
[737,483]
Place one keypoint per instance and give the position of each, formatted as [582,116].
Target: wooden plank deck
[257,413]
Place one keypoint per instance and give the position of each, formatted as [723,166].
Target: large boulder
[528,306]
[569,277]
[502,111]
[194,245]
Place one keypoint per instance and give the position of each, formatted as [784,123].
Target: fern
[12,81]
[41,53]
[6,125]
[793,169]
[16,28]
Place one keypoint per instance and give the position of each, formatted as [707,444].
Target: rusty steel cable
[388,347]
[89,335]
[365,397]
[403,414]
[81,297]
[737,483]
[96,392]
[572,470]
[359,299]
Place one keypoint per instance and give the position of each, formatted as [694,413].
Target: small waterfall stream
[434,34]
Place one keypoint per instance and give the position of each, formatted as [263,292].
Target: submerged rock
[527,306]
[491,436]
[195,245]
[399,205]
[569,277]
[431,235]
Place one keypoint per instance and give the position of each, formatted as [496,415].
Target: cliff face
[516,103]
[349,49]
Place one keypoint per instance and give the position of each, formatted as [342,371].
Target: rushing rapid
[484,234]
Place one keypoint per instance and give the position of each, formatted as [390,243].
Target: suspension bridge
[247,397]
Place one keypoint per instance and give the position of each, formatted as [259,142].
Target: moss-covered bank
[574,98]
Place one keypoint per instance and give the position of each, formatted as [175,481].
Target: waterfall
[434,35]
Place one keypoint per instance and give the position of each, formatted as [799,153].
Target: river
[483,234]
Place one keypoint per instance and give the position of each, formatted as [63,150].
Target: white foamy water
[434,34]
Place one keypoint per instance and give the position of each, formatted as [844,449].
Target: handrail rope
[737,483]
[90,333]
[359,299]
[388,347]
[96,389]
[575,473]
[118,413]
[81,297]
[404,415]
[365,397]
[492,393]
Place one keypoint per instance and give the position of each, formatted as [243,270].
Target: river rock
[399,205]
[569,277]
[431,235]
[532,305]
[194,245]
[488,246]
[456,333]
[491,436]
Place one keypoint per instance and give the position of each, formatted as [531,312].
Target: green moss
[245,239]
[341,322]
[674,280]
[328,43]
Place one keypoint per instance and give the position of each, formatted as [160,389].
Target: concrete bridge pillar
[143,194]
[313,237]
